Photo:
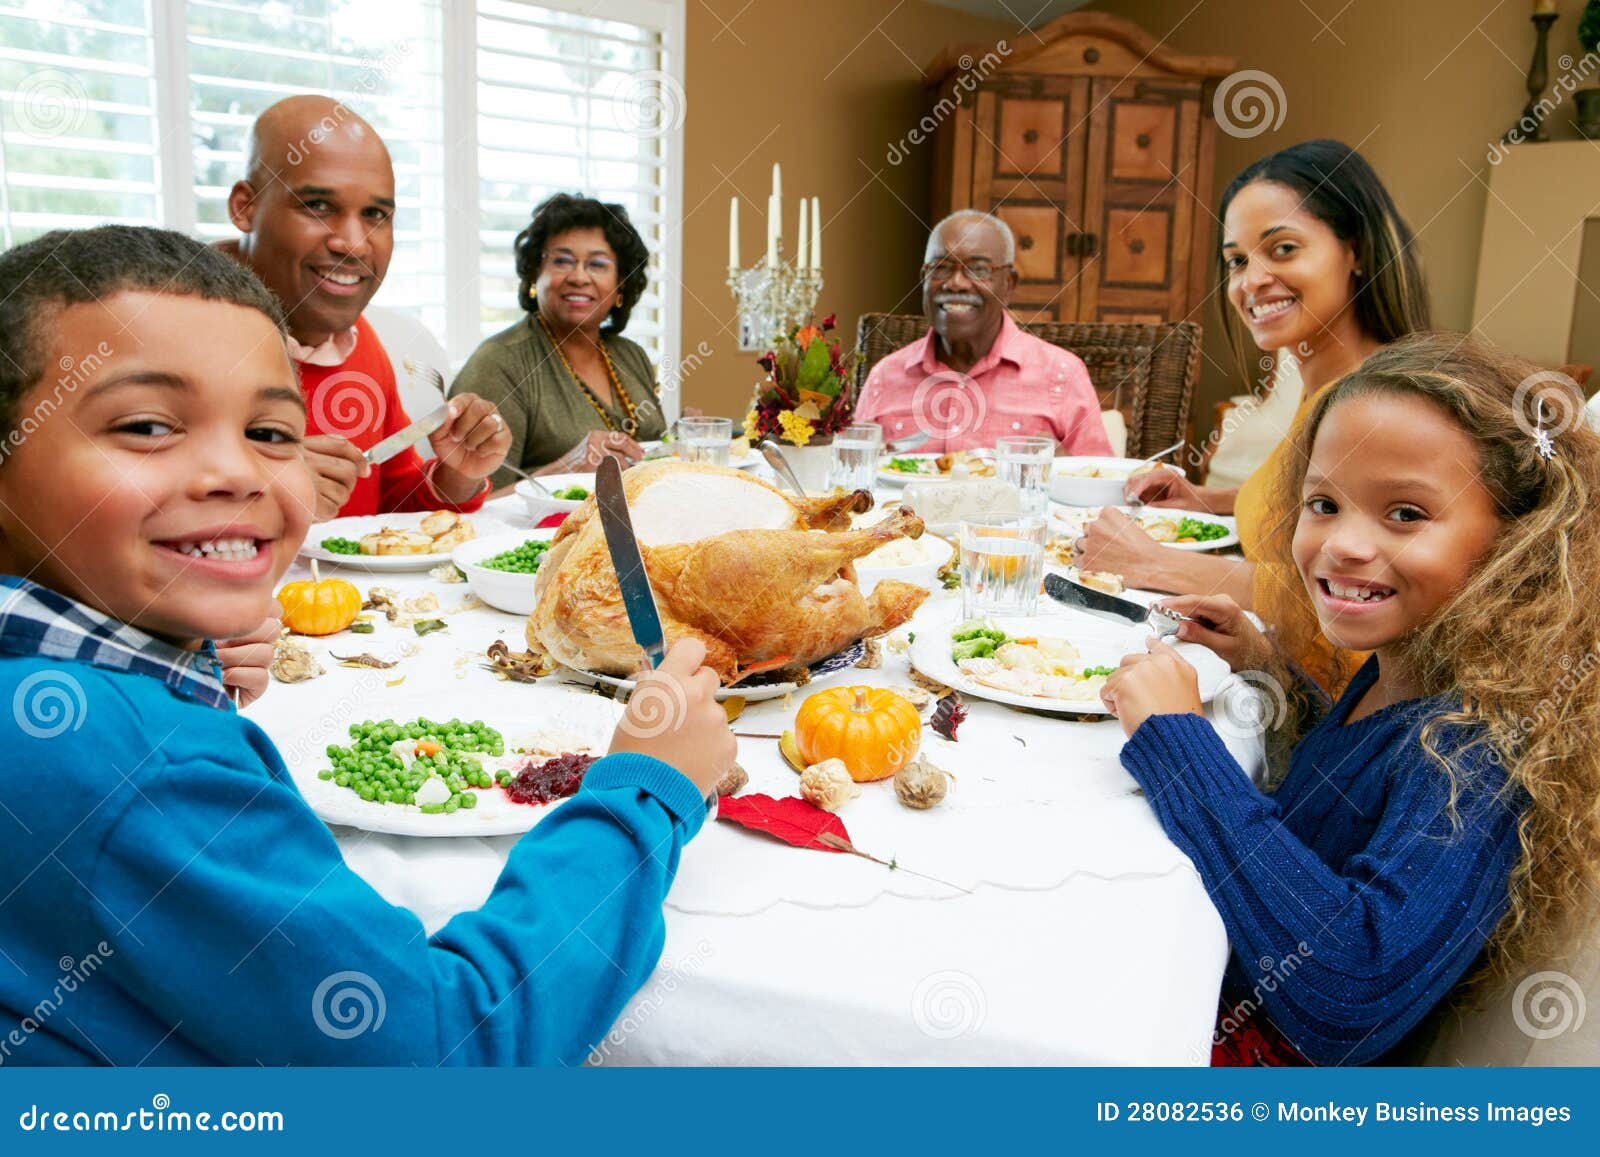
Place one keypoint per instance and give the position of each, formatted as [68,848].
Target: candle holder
[1530,125]
[772,299]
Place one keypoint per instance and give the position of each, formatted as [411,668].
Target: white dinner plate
[888,477]
[1070,520]
[1101,644]
[517,710]
[749,692]
[353,528]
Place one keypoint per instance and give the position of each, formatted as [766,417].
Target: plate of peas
[501,568]
[408,771]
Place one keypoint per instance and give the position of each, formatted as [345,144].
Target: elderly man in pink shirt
[977,376]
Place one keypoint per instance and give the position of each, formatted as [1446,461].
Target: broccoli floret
[976,648]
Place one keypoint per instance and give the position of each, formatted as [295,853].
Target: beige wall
[824,88]
[1421,87]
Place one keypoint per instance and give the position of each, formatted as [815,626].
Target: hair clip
[1543,444]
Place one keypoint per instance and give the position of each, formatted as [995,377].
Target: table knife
[637,597]
[409,436]
[1117,610]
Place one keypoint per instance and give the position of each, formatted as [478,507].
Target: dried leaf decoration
[733,707]
[948,716]
[517,666]
[792,820]
[362,660]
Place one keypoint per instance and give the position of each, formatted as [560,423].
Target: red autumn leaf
[948,716]
[551,520]
[792,820]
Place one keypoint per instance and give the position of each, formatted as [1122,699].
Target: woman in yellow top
[1316,260]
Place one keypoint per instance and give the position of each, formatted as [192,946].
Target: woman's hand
[1158,682]
[1221,624]
[1114,542]
[673,715]
[597,445]
[245,661]
[1167,487]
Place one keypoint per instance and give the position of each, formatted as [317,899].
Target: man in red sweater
[316,210]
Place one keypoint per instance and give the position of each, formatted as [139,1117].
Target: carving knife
[637,597]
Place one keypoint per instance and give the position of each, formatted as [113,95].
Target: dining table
[1038,915]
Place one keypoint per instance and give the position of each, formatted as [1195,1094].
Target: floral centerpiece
[809,391]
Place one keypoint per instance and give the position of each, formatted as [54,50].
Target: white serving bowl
[541,506]
[501,589]
[936,554]
[1071,490]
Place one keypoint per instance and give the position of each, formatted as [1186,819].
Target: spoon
[775,458]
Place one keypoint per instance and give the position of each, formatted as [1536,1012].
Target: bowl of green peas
[501,568]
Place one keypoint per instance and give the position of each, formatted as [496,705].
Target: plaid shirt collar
[35,620]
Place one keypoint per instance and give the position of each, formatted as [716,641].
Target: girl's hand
[1114,542]
[1159,682]
[245,661]
[1222,625]
[674,716]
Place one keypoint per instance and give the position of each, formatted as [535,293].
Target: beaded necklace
[631,423]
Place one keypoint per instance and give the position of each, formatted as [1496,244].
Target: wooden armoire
[1094,143]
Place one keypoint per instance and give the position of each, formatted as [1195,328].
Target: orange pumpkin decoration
[319,607]
[873,730]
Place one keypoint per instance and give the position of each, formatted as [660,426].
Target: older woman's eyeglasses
[566,263]
[977,269]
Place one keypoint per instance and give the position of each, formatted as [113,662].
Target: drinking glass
[1025,463]
[705,439]
[1002,565]
[854,464]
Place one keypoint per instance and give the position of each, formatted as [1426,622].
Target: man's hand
[335,464]
[1158,682]
[245,661]
[470,446]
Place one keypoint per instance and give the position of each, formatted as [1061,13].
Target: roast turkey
[763,579]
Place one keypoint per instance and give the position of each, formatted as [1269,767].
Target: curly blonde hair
[1519,643]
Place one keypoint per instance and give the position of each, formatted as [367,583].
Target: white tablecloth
[1060,925]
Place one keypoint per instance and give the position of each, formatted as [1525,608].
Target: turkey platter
[734,562]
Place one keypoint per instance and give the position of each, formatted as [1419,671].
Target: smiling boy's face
[167,489]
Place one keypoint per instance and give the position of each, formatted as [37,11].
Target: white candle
[772,231]
[1544,7]
[816,234]
[777,181]
[800,243]
[733,232]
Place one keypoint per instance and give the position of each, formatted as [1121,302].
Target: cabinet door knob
[1136,245]
[1025,242]
[1091,56]
[1029,136]
[1142,140]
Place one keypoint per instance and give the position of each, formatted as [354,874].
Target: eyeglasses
[565,263]
[947,267]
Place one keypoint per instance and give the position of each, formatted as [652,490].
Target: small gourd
[873,730]
[319,607]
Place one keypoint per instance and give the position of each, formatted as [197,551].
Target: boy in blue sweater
[166,897]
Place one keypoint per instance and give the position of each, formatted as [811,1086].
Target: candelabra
[1530,125]
[772,299]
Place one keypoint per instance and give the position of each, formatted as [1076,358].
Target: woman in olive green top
[572,389]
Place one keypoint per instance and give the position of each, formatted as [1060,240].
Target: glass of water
[705,440]
[1002,565]
[854,465]
[1025,463]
